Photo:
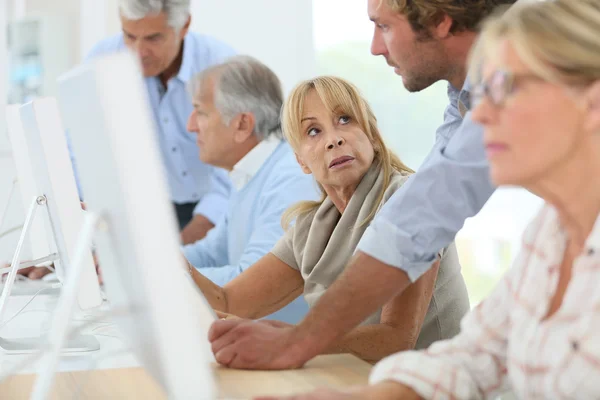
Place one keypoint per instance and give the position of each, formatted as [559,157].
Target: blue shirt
[190,180]
[427,212]
[252,224]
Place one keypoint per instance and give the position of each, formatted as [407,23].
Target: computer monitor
[106,111]
[53,173]
[40,242]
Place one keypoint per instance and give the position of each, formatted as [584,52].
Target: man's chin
[149,72]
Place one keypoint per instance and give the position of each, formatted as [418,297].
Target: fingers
[226,356]
[276,324]
[38,273]
[24,271]
[226,339]
[219,328]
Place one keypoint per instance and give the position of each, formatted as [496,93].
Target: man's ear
[184,30]
[304,167]
[442,29]
[243,124]
[592,119]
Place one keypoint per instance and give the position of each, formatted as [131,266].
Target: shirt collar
[592,242]
[462,97]
[186,71]
[249,165]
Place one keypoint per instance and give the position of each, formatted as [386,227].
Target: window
[489,242]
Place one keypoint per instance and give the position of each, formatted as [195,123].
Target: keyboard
[31,287]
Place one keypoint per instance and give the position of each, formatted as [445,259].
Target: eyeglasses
[499,86]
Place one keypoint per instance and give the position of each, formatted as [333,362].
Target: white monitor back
[112,132]
[54,177]
[39,238]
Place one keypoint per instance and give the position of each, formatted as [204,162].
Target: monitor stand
[79,344]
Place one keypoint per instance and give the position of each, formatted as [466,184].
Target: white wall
[7,169]
[279,33]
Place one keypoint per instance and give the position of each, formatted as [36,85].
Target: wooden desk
[134,383]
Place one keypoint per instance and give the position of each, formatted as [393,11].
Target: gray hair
[178,11]
[244,84]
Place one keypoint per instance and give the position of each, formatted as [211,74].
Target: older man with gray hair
[236,119]
[158,31]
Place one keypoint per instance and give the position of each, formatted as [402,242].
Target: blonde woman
[335,137]
[538,333]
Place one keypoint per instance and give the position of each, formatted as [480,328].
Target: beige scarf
[322,242]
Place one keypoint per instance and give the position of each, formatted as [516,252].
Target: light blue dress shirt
[190,180]
[427,212]
[252,224]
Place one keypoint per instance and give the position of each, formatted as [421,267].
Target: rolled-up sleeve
[425,214]
[213,204]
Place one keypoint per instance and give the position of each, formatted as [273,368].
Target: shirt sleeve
[284,249]
[213,205]
[211,250]
[218,51]
[280,194]
[425,214]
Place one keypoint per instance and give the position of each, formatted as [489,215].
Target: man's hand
[351,299]
[196,229]
[34,272]
[246,344]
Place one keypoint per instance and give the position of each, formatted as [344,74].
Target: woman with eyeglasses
[538,333]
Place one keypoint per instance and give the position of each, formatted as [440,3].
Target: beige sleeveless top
[321,243]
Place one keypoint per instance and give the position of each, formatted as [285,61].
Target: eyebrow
[307,118]
[151,36]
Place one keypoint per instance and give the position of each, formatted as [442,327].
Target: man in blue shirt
[158,31]
[170,55]
[425,41]
[236,121]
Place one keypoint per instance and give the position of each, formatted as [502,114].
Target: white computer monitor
[39,238]
[53,173]
[107,114]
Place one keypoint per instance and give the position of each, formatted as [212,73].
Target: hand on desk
[246,344]
[34,272]
[39,272]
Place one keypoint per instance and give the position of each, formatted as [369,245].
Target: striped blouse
[506,344]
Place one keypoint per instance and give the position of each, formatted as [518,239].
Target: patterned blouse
[507,344]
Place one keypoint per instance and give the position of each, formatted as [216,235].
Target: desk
[134,383]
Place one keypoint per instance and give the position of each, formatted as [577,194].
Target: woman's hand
[223,315]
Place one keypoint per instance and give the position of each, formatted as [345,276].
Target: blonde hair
[340,97]
[558,40]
